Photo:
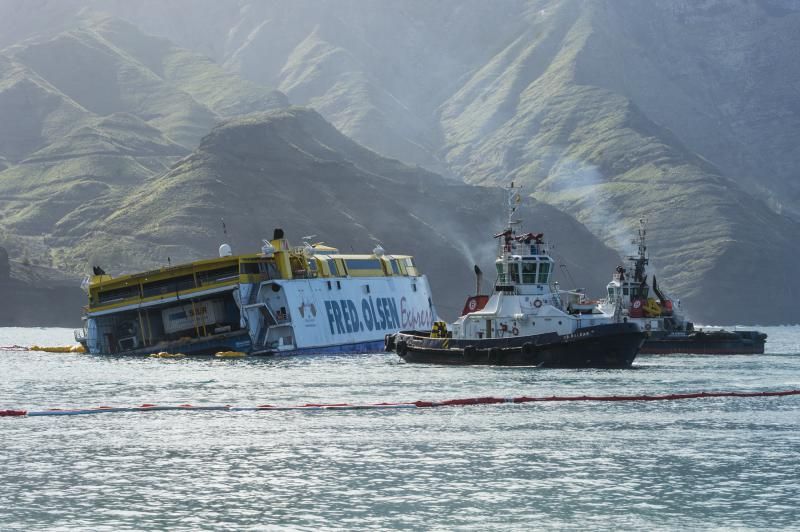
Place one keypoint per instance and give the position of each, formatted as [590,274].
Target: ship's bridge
[626,290]
[524,274]
[523,267]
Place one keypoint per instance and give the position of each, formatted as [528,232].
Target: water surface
[723,462]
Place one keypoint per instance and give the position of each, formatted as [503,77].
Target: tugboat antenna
[514,199]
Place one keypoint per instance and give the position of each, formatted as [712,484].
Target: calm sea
[707,463]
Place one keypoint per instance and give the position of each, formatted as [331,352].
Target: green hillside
[610,110]
[540,116]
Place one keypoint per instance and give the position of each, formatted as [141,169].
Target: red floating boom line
[472,401]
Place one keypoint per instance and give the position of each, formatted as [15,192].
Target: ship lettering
[368,321]
[415,318]
[346,315]
[376,314]
[382,324]
[395,318]
[355,322]
[334,316]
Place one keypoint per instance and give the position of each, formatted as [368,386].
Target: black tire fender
[528,348]
[401,348]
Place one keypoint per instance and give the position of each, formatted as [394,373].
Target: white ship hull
[341,315]
[288,317]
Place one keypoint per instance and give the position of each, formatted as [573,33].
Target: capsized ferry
[663,318]
[284,300]
[527,320]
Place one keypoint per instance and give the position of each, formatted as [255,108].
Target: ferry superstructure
[284,300]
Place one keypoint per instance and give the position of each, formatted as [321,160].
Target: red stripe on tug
[13,413]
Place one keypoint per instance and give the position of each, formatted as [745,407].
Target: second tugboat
[525,322]
[669,332]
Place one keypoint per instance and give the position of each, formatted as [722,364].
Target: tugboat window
[513,272]
[529,272]
[501,275]
[544,272]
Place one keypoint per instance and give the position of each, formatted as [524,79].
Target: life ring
[537,303]
[515,331]
[472,305]
[637,303]
[647,326]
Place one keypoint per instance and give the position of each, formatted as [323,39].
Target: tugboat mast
[641,260]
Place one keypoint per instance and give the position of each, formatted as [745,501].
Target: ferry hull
[707,343]
[601,346]
[317,316]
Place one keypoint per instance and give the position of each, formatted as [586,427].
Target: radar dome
[225,250]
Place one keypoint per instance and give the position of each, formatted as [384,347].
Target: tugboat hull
[706,343]
[600,346]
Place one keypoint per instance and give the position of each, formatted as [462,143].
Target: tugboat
[525,322]
[283,301]
[662,317]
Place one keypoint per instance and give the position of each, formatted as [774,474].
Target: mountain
[610,110]
[552,111]
[292,169]
[91,112]
[37,296]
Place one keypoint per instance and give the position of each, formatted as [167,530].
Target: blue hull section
[347,349]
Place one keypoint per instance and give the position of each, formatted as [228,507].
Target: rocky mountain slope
[37,296]
[682,112]
[90,112]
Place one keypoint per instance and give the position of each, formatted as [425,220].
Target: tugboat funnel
[478,280]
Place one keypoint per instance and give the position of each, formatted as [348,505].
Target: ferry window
[312,265]
[529,272]
[217,276]
[363,264]
[333,268]
[544,272]
[410,262]
[118,294]
[251,268]
[174,284]
[395,267]
[513,272]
